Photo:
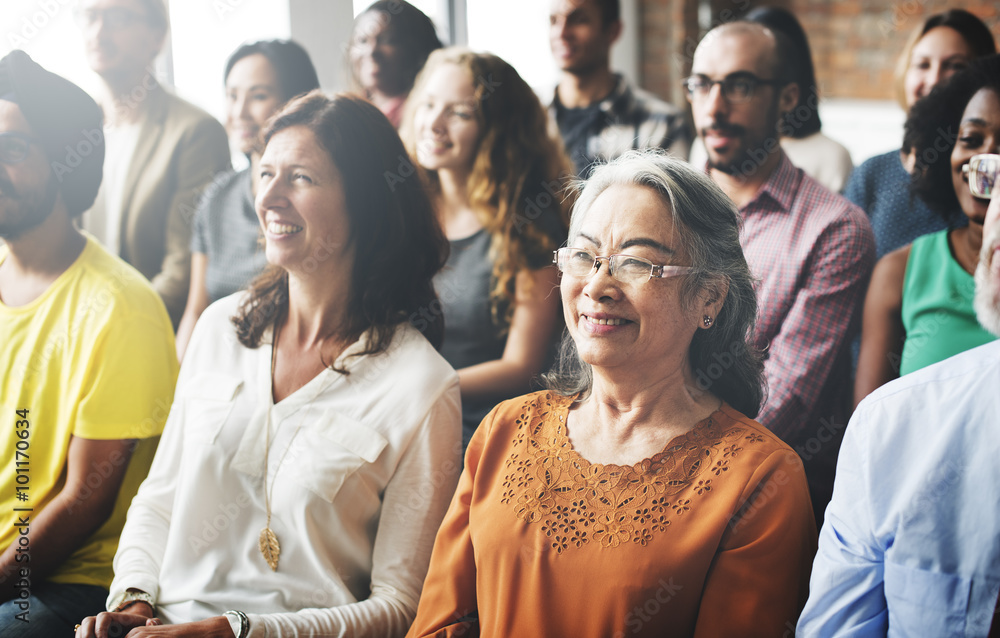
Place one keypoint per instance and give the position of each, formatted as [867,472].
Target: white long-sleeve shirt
[362,468]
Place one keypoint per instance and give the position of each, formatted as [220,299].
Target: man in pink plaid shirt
[812,250]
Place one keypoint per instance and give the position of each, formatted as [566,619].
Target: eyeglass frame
[656,271]
[20,136]
[973,181]
[732,77]
[87,17]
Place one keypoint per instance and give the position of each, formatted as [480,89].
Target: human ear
[788,98]
[713,297]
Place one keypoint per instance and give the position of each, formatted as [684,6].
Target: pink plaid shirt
[813,252]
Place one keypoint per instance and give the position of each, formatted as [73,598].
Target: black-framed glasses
[982,172]
[578,262]
[736,87]
[14,147]
[113,18]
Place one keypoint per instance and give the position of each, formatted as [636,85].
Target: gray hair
[723,358]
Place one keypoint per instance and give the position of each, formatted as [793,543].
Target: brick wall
[855,43]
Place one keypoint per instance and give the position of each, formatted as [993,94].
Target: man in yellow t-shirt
[88,362]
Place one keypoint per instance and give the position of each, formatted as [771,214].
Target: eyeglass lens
[983,172]
[13,149]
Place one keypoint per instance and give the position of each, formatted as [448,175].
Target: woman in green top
[919,305]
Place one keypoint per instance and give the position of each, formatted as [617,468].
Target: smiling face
[252,96]
[987,300]
[979,132]
[119,37]
[28,190]
[445,121]
[937,56]
[648,326]
[301,206]
[377,54]
[734,134]
[579,39]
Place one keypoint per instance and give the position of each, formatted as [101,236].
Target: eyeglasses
[982,172]
[736,87]
[625,268]
[14,147]
[114,18]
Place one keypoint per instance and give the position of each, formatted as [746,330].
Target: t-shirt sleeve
[129,384]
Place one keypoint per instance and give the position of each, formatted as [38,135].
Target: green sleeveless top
[937,305]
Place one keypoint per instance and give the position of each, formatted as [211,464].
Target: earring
[707,321]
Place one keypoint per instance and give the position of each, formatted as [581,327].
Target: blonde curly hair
[518,158]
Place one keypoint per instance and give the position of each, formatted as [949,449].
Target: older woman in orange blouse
[635,497]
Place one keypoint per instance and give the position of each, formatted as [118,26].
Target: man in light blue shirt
[911,542]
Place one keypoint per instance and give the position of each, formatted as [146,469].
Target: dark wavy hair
[416,32]
[801,69]
[935,119]
[398,244]
[723,358]
[292,65]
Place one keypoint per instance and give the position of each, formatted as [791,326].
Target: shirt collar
[780,187]
[616,101]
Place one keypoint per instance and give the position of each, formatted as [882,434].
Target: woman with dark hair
[824,159]
[919,307]
[637,496]
[314,439]
[479,134]
[942,45]
[260,77]
[389,45]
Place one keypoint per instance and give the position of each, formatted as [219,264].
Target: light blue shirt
[911,542]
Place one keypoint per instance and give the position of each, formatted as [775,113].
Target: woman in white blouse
[314,441]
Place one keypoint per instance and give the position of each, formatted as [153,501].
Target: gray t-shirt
[227,231]
[463,286]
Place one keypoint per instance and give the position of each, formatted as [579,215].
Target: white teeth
[605,322]
[282,229]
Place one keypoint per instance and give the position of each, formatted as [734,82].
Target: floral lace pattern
[577,502]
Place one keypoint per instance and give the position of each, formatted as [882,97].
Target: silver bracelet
[239,622]
[128,598]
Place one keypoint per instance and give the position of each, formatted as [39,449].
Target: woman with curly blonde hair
[480,136]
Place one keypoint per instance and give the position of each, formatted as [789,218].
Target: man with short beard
[88,362]
[911,542]
[812,250]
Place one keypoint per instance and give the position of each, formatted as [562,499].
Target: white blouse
[363,467]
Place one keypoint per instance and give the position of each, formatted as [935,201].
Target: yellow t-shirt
[92,357]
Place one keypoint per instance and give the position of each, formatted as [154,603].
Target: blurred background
[854,42]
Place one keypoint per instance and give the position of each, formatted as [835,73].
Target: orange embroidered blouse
[714,536]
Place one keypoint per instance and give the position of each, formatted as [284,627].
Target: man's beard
[987,299]
[33,207]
